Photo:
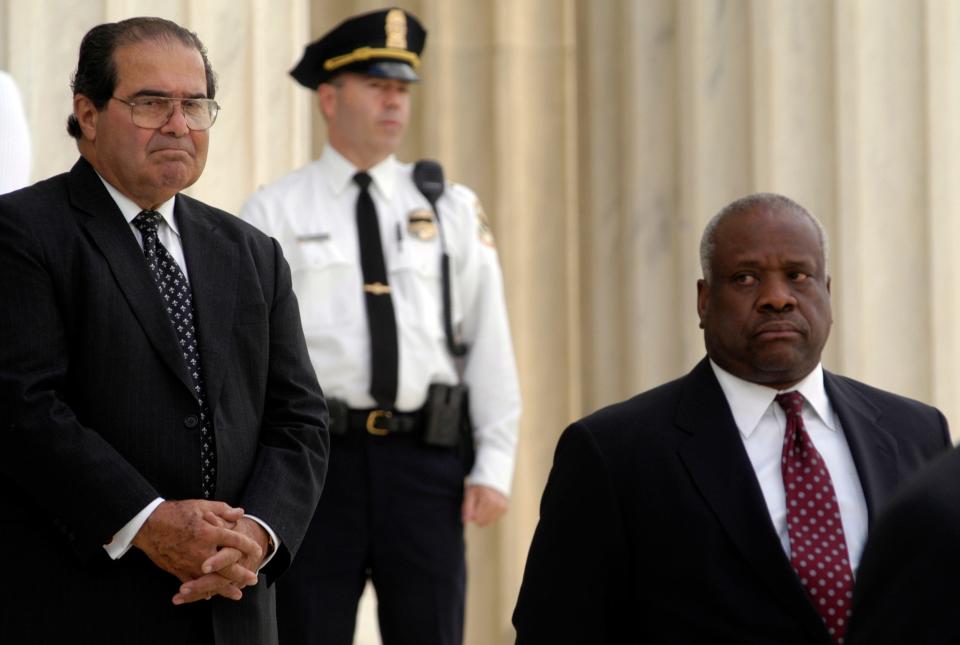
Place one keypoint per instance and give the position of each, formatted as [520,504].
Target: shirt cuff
[492,468]
[123,539]
[274,541]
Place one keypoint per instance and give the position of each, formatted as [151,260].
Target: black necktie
[178,300]
[384,353]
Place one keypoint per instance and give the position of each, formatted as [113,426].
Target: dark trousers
[390,512]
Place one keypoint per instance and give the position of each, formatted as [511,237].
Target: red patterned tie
[818,548]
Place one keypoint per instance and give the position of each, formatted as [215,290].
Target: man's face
[766,312]
[149,165]
[366,116]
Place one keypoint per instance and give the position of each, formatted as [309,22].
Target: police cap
[384,43]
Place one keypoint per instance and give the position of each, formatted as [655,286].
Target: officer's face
[766,311]
[366,116]
[149,165]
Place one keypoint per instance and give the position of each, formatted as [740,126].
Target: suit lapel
[111,234]
[874,449]
[717,461]
[212,264]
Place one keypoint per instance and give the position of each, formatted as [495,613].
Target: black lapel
[718,463]
[112,235]
[874,449]
[212,262]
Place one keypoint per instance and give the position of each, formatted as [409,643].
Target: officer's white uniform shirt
[312,213]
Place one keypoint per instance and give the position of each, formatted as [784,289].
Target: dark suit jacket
[95,408]
[653,528]
[908,585]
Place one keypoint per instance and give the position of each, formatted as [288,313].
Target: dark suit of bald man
[654,530]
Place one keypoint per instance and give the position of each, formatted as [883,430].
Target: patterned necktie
[818,547]
[384,353]
[178,299]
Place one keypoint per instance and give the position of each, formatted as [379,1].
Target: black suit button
[191,421]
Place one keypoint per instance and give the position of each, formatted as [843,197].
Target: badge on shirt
[484,232]
[420,224]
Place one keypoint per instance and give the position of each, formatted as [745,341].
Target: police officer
[423,439]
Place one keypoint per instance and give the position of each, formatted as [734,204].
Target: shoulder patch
[484,232]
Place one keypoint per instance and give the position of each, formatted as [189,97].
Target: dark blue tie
[178,300]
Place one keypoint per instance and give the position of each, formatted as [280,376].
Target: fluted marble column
[263,129]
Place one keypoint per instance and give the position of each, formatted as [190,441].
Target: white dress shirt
[311,212]
[169,236]
[762,424]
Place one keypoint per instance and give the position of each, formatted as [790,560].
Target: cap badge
[396,29]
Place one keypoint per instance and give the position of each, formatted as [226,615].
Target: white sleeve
[123,538]
[273,539]
[490,370]
[15,155]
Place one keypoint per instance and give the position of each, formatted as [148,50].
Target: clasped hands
[210,546]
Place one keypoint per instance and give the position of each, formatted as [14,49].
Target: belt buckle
[372,422]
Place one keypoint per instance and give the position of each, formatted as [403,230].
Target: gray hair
[765,201]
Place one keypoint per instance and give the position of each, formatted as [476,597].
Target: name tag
[314,237]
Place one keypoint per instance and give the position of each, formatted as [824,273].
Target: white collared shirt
[167,232]
[312,214]
[762,424]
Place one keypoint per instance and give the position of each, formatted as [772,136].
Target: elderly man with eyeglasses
[165,438]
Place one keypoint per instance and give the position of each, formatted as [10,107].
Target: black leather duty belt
[376,422]
[384,422]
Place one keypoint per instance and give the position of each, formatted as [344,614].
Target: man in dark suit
[907,588]
[161,419]
[730,505]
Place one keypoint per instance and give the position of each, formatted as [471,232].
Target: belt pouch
[445,413]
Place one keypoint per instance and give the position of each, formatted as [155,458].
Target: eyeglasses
[154,111]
